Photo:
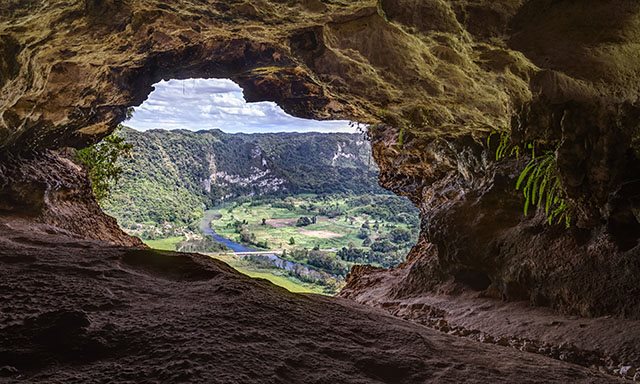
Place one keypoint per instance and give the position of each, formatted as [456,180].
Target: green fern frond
[540,183]
[539,180]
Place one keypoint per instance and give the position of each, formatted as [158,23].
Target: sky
[198,104]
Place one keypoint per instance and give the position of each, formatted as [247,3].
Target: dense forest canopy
[172,176]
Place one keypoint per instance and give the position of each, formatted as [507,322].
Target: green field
[168,244]
[273,275]
[280,226]
[339,231]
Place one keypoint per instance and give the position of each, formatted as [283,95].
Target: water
[273,259]
[232,245]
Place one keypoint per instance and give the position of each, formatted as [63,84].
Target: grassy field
[326,233]
[342,223]
[168,244]
[275,276]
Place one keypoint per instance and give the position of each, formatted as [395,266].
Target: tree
[101,162]
[264,222]
[303,221]
[246,236]
[400,235]
[292,241]
[383,246]
[364,233]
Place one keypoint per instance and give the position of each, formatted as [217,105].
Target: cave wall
[434,78]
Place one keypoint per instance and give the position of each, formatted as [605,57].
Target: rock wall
[51,189]
[434,77]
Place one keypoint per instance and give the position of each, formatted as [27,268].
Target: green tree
[400,235]
[101,162]
[364,233]
[292,241]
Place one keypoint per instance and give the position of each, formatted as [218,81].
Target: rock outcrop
[434,77]
[51,188]
[80,311]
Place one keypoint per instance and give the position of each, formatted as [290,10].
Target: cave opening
[293,200]
[441,80]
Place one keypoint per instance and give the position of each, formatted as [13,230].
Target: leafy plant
[505,148]
[101,162]
[401,137]
[539,181]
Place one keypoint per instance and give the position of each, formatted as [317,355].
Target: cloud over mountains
[198,104]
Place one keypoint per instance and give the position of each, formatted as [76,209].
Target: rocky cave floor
[77,311]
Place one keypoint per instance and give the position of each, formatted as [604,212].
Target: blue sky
[198,104]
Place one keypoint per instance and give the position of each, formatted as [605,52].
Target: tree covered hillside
[172,175]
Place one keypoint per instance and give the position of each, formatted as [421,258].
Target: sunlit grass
[275,276]
[277,236]
[168,244]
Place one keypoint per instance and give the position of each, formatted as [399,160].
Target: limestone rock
[433,77]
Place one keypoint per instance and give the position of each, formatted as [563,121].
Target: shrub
[101,162]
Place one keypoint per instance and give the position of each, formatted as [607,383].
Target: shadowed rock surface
[435,78]
[81,311]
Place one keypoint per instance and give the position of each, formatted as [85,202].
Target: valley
[311,200]
[255,143]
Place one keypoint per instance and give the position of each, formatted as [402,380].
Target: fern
[541,186]
[505,148]
[539,180]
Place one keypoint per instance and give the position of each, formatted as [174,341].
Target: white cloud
[198,104]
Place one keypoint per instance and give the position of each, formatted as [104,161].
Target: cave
[463,98]
[293,200]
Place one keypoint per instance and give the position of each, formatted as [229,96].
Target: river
[205,227]
[273,259]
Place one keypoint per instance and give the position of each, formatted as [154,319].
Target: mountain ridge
[188,171]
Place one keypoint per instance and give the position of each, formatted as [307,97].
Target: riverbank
[279,274]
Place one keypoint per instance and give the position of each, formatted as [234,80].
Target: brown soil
[75,310]
[279,223]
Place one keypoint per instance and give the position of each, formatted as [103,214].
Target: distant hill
[173,175]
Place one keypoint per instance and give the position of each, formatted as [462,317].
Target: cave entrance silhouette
[294,200]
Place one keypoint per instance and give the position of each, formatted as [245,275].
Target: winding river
[275,260]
